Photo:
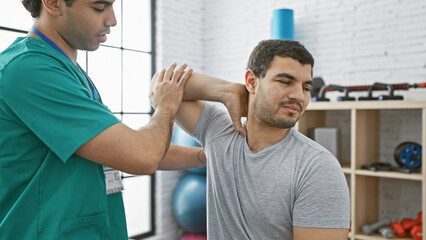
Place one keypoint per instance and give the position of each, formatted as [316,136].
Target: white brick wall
[355,42]
[179,33]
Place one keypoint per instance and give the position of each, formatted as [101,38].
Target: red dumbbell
[406,224]
[398,229]
[409,223]
[416,232]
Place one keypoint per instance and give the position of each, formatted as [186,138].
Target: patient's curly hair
[263,54]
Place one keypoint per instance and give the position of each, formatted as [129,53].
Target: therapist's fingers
[169,72]
[160,76]
[185,77]
[178,73]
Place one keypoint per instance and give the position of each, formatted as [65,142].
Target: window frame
[152,232]
[12,30]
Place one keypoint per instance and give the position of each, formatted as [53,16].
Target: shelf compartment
[339,119]
[311,119]
[366,137]
[366,201]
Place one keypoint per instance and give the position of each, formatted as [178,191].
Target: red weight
[416,232]
[397,229]
[407,224]
[420,216]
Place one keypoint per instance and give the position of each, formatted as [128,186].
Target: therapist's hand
[167,87]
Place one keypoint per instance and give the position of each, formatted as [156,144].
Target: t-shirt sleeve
[322,195]
[51,101]
[213,122]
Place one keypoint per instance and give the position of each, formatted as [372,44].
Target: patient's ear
[251,81]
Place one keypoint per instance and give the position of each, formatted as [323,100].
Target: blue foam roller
[282,26]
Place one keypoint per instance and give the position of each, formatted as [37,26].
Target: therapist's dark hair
[263,54]
[34,6]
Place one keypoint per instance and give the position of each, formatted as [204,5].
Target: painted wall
[353,42]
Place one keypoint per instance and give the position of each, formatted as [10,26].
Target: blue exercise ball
[201,170]
[181,138]
[189,203]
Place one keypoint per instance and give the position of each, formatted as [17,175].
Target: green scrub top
[46,114]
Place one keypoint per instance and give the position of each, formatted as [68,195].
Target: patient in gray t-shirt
[295,182]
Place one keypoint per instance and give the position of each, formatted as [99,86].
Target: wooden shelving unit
[364,132]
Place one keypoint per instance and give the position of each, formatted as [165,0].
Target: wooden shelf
[346,170]
[396,175]
[361,124]
[348,105]
[376,237]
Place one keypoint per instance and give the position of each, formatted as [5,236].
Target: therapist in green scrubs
[60,145]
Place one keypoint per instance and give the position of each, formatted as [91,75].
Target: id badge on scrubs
[113,180]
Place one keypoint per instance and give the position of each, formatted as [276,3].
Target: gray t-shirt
[296,182]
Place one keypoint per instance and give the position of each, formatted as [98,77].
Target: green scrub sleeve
[53,100]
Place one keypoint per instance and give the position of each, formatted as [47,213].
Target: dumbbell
[371,228]
[416,232]
[409,223]
[386,232]
[398,229]
[406,224]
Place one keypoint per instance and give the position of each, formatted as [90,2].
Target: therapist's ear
[53,7]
